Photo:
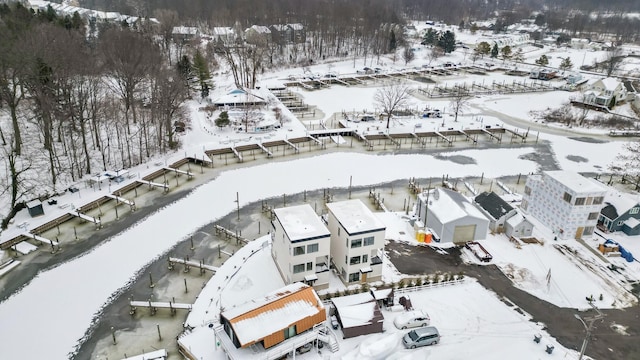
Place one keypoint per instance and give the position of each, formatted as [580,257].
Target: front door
[579,232]
[290,332]
[363,279]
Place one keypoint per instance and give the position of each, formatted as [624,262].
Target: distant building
[620,213]
[452,216]
[566,202]
[301,244]
[224,34]
[357,241]
[184,33]
[278,316]
[258,35]
[296,33]
[518,226]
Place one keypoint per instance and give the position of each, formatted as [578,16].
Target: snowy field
[57,306]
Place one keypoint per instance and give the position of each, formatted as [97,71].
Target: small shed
[384,297]
[518,226]
[358,314]
[35,208]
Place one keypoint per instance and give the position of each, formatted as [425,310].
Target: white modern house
[566,202]
[357,239]
[301,245]
[606,92]
[451,216]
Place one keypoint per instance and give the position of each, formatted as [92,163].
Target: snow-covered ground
[57,307]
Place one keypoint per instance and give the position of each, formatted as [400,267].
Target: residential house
[258,35]
[224,35]
[606,92]
[620,213]
[296,32]
[357,241]
[566,202]
[280,34]
[518,226]
[301,244]
[495,209]
[184,33]
[358,314]
[278,316]
[240,98]
[451,216]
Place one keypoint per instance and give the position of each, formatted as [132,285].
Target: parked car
[304,348]
[367,118]
[411,319]
[334,322]
[421,337]
[365,70]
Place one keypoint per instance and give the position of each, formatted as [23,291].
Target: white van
[421,337]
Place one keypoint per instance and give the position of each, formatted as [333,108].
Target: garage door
[462,234]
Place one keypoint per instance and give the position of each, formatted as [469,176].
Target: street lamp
[588,328]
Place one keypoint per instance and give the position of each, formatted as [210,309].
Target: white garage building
[452,216]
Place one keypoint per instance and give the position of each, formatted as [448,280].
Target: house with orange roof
[278,316]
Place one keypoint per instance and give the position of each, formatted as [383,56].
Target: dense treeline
[74,104]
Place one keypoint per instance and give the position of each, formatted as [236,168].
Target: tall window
[365,258]
[354,277]
[309,266]
[298,268]
[567,197]
[356,243]
[598,200]
[527,190]
[312,248]
[580,201]
[593,216]
[588,230]
[368,241]
[298,250]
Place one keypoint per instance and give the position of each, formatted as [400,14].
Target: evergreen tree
[430,37]
[543,60]
[222,120]
[566,64]
[494,51]
[447,42]
[393,42]
[185,69]
[201,69]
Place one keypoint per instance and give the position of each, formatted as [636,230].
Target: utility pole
[238,204]
[588,328]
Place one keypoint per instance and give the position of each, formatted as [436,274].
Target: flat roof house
[566,202]
[278,316]
[300,246]
[357,239]
[451,216]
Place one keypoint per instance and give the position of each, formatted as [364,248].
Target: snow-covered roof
[357,310]
[260,29]
[259,318]
[632,222]
[301,222]
[516,220]
[448,205]
[576,182]
[279,27]
[381,294]
[355,217]
[222,30]
[610,83]
[620,201]
[184,30]
[239,96]
[296,26]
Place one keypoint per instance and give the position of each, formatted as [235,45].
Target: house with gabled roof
[296,33]
[300,246]
[620,213]
[258,35]
[518,226]
[278,316]
[358,314]
[495,209]
[451,216]
[606,92]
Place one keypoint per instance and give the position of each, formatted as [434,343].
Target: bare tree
[408,55]
[627,163]
[459,102]
[613,59]
[15,183]
[390,97]
[433,54]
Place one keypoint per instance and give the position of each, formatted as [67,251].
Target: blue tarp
[623,252]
